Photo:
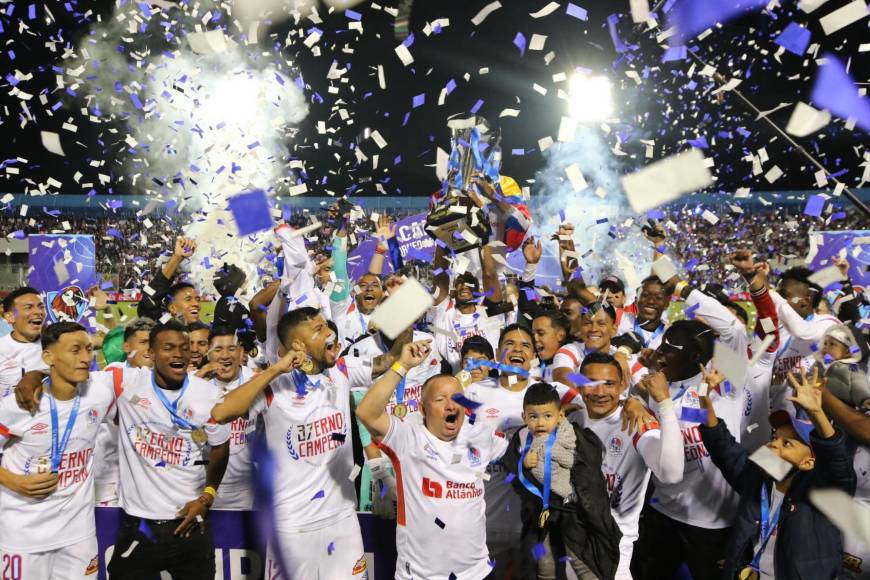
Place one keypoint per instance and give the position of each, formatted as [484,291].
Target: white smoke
[625,253]
[199,127]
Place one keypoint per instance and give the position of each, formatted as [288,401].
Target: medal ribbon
[643,333]
[548,474]
[57,447]
[172,407]
[474,364]
[767,527]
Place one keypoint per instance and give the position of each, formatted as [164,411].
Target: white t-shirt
[703,498]
[501,410]
[310,438]
[441,513]
[240,467]
[765,564]
[17,358]
[162,467]
[650,338]
[449,319]
[106,471]
[359,371]
[67,515]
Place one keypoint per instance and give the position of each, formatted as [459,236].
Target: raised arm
[259,306]
[440,265]
[237,403]
[491,286]
[372,409]
[151,304]
[665,455]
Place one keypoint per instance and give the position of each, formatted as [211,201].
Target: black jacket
[808,545]
[152,305]
[586,525]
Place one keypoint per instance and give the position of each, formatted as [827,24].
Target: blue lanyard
[655,334]
[548,469]
[364,327]
[681,392]
[57,447]
[173,406]
[767,527]
[488,364]
[400,391]
[302,382]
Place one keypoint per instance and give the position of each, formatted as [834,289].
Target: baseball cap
[802,427]
[612,284]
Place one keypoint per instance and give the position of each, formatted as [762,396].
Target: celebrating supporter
[20,350]
[160,290]
[439,463]
[778,533]
[551,330]
[304,400]
[198,333]
[46,486]
[565,512]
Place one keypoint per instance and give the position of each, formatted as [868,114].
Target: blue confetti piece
[145,530]
[691,17]
[31,12]
[815,205]
[692,415]
[451,85]
[835,90]
[795,38]
[674,53]
[577,12]
[330,548]
[418,100]
[510,477]
[477,106]
[579,379]
[539,551]
[319,495]
[353,14]
[520,42]
[690,311]
[251,211]
[465,402]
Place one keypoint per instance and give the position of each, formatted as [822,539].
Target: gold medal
[199,437]
[400,410]
[307,365]
[748,574]
[464,378]
[545,515]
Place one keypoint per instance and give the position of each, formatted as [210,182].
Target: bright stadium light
[589,98]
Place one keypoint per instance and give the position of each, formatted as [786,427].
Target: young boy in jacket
[565,506]
[778,533]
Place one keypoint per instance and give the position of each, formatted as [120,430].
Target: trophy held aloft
[456,219]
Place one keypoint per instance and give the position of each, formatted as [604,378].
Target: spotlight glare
[589,98]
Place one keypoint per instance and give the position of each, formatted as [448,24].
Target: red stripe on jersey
[570,354]
[342,366]
[642,430]
[400,486]
[5,432]
[569,396]
[118,380]
[636,367]
[269,396]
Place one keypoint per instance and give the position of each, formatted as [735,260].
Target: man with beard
[198,333]
[46,488]
[166,439]
[304,399]
[20,351]
[687,521]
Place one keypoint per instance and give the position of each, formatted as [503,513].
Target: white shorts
[76,561]
[239,498]
[334,552]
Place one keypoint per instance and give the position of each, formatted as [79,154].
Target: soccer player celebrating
[304,399]
[182,299]
[439,465]
[46,488]
[20,350]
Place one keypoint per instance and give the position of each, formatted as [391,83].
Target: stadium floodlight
[589,98]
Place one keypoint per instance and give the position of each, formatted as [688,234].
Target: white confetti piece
[844,16]
[298,189]
[639,10]
[664,269]
[567,129]
[546,10]
[378,139]
[731,364]
[774,465]
[806,120]
[710,217]
[485,11]
[404,54]
[210,42]
[575,176]
[51,142]
[850,516]
[402,308]
[809,6]
[773,174]
[666,180]
[537,42]
[827,276]
[509,113]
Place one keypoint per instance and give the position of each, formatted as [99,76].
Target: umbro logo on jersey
[39,429]
[144,403]
[492,412]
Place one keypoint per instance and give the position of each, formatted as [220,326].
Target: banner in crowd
[856,243]
[238,554]
[64,268]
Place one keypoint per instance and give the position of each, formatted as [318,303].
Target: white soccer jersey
[501,410]
[650,338]
[456,328]
[309,436]
[162,467]
[106,470]
[359,371]
[240,467]
[703,498]
[35,526]
[441,513]
[352,324]
[17,358]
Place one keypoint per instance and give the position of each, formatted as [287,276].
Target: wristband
[625,350]
[380,250]
[209,490]
[678,290]
[399,369]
